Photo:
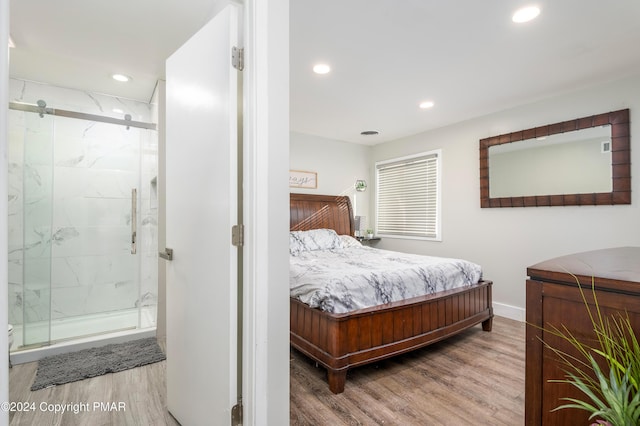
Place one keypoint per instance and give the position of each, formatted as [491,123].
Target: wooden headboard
[310,211]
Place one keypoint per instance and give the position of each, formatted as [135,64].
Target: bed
[340,341]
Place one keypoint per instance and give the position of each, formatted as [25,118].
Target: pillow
[315,239]
[349,241]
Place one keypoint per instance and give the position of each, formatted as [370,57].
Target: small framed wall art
[302,179]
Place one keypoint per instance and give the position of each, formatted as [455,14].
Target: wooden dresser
[553,298]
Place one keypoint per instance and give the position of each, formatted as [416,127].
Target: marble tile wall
[70,187]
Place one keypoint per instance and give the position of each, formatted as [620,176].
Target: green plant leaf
[613,396]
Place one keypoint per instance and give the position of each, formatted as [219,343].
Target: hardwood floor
[476,378]
[140,391]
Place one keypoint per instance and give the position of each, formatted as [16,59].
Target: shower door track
[80,115]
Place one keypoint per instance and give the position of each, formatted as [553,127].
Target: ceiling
[81,43]
[387,56]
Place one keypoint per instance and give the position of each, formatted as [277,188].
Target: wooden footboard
[343,341]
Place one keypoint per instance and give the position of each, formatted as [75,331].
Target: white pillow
[349,241]
[315,239]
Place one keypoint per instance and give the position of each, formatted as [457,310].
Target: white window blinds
[408,193]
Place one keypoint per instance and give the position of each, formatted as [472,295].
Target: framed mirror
[586,161]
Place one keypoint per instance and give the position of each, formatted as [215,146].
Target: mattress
[339,276]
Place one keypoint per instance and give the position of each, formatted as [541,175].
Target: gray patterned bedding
[337,274]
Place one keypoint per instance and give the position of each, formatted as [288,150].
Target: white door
[202,200]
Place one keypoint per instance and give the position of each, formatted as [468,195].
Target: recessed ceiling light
[525,14]
[369,133]
[321,68]
[121,77]
[426,104]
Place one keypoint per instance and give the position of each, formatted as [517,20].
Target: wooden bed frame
[343,341]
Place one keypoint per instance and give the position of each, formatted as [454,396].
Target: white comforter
[340,280]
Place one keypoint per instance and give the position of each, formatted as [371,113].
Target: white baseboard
[508,311]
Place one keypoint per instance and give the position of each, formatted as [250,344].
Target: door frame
[266,212]
[4,238]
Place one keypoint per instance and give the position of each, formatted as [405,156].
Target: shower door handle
[134,219]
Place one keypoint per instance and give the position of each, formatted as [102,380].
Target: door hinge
[237,58]
[236,414]
[237,235]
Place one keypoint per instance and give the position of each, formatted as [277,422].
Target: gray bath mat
[73,366]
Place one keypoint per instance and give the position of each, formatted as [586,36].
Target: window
[408,196]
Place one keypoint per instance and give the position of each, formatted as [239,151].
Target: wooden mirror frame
[620,163]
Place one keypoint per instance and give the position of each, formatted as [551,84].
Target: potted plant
[607,373]
[369,233]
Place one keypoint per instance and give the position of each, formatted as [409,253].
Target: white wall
[4,104]
[338,164]
[505,241]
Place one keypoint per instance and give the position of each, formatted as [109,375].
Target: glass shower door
[72,174]
[37,205]
[94,273]
[75,186]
